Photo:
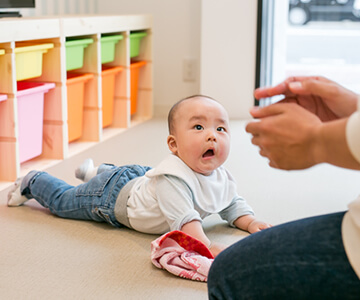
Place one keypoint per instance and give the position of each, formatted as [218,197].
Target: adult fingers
[283,87]
[314,87]
[273,109]
[256,127]
[266,92]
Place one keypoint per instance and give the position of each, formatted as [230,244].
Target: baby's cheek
[225,151]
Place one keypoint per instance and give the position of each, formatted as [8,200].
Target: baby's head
[199,133]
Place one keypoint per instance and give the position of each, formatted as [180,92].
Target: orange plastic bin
[134,80]
[75,100]
[30,106]
[108,90]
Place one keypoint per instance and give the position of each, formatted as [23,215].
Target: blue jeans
[303,259]
[93,200]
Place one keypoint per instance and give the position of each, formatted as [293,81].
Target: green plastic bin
[135,39]
[75,52]
[108,47]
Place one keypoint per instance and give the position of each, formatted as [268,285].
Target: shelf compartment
[75,103]
[29,58]
[134,82]
[75,49]
[108,47]
[108,91]
[30,99]
[135,41]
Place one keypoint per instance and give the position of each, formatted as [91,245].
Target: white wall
[176,34]
[228,53]
[219,35]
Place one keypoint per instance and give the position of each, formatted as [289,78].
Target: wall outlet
[189,69]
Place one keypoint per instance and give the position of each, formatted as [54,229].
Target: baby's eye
[198,127]
[221,129]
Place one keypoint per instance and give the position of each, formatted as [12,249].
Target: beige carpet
[46,257]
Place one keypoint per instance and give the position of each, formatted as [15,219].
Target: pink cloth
[181,255]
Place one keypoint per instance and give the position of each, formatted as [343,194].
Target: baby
[190,184]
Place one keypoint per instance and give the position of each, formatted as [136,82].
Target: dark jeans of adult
[304,259]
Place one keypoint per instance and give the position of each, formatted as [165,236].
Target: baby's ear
[171,141]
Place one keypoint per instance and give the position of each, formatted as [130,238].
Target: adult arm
[293,138]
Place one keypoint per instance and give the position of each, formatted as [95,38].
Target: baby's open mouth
[209,153]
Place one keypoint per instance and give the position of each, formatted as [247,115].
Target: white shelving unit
[55,143]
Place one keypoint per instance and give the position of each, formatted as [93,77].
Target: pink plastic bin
[30,102]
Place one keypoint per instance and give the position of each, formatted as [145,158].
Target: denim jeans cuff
[28,178]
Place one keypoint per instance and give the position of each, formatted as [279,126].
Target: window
[308,37]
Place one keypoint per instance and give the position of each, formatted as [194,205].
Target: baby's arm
[250,223]
[194,229]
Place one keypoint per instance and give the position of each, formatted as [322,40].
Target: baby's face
[202,136]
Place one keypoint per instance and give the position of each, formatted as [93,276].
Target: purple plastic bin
[30,106]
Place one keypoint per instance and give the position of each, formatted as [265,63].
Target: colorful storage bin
[108,47]
[134,80]
[30,107]
[108,90]
[28,59]
[75,101]
[135,39]
[75,52]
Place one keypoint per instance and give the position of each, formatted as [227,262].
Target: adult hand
[287,135]
[321,96]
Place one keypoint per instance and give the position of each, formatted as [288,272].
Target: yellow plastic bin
[30,107]
[2,51]
[29,58]
[108,44]
[75,84]
[135,41]
[108,89]
[75,49]
[134,83]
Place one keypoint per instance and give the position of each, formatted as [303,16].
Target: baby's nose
[211,136]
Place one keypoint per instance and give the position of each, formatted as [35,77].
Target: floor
[46,257]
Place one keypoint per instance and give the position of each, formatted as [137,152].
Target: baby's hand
[256,226]
[216,248]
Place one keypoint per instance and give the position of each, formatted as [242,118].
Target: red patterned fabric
[181,255]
